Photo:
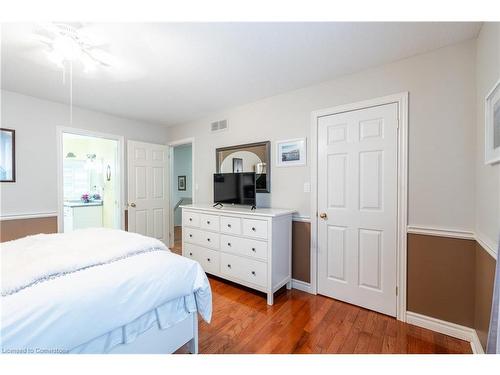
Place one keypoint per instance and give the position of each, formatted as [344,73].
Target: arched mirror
[251,157]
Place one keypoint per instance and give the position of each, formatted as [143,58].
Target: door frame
[120,169]
[402,190]
[171,146]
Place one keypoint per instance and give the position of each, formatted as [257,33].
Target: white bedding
[36,258]
[64,313]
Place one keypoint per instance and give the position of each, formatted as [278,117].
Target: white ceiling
[169,73]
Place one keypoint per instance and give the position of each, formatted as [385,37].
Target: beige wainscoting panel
[441,273]
[14,229]
[301,251]
[484,280]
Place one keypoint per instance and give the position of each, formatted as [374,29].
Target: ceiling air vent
[218,126]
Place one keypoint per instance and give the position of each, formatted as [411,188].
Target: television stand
[252,248]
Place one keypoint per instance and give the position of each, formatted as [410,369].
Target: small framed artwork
[291,153]
[237,165]
[492,126]
[181,183]
[7,155]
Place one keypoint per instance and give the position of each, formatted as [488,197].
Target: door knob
[132,204]
[323,215]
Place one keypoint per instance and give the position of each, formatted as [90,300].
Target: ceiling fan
[69,44]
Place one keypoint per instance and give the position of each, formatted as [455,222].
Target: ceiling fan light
[56,58]
[89,65]
[67,48]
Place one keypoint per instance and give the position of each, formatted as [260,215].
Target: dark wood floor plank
[299,322]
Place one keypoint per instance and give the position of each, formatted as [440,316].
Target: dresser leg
[289,285]
[270,299]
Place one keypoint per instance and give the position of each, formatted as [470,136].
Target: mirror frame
[266,144]
[13,132]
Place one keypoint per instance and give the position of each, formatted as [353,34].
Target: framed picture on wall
[492,125]
[291,153]
[7,155]
[181,183]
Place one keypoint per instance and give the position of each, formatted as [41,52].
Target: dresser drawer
[251,271]
[255,228]
[190,219]
[208,259]
[191,235]
[230,225]
[244,246]
[210,222]
[208,239]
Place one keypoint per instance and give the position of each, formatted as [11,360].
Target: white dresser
[251,248]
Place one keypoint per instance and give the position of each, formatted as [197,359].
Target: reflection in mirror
[253,157]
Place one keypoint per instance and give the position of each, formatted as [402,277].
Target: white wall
[182,167]
[442,115]
[487,176]
[35,121]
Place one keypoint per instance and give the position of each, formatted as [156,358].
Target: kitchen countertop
[82,204]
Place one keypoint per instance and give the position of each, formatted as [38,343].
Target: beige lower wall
[441,278]
[14,229]
[452,280]
[301,251]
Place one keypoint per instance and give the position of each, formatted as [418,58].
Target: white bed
[144,302]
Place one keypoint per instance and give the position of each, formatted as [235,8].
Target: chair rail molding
[304,219]
[30,215]
[440,232]
[488,245]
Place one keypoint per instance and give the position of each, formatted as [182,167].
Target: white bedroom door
[148,189]
[357,207]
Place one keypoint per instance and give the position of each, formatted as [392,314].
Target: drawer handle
[190,236]
[253,273]
[208,239]
[190,254]
[229,244]
[228,266]
[190,219]
[253,249]
[229,225]
[208,259]
[253,228]
[208,221]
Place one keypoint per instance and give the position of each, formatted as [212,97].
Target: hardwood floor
[177,248]
[299,322]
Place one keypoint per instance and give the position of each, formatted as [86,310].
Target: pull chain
[71,92]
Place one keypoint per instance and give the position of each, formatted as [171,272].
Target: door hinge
[396,290]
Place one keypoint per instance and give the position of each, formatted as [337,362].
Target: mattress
[97,308]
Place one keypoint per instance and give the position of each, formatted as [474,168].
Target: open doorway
[181,188]
[90,187]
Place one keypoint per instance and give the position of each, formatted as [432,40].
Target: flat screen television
[234,188]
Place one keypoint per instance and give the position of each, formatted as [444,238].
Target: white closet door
[357,204]
[148,189]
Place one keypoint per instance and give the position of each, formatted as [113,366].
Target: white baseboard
[302,285]
[446,328]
